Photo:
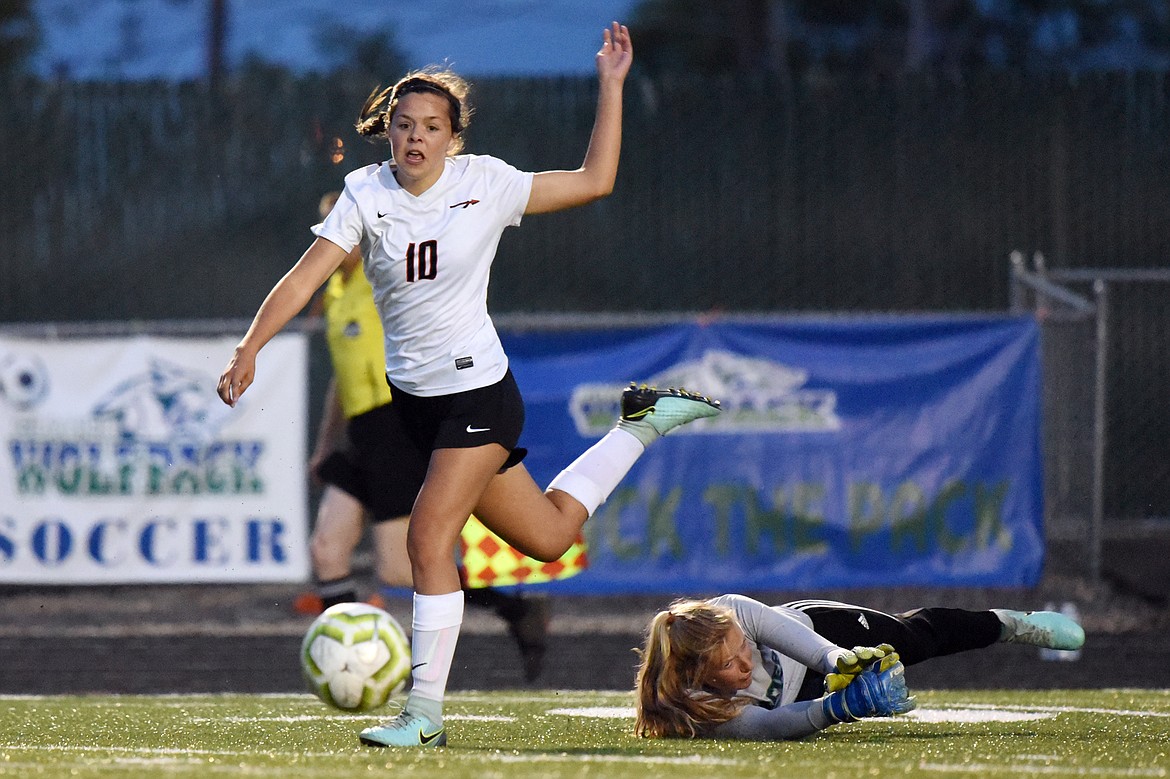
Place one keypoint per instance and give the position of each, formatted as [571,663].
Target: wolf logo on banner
[757,395]
[166,402]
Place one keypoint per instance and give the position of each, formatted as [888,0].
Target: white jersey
[428,260]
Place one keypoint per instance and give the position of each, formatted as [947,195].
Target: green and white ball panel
[355,656]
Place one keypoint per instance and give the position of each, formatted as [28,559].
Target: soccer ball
[355,656]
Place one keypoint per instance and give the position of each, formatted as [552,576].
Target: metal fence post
[1015,288]
[1097,521]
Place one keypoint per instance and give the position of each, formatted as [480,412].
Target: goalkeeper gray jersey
[784,645]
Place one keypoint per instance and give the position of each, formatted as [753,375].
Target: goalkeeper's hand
[856,660]
[875,692]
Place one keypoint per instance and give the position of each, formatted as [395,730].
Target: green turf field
[1098,733]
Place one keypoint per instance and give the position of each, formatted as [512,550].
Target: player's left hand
[856,660]
[616,54]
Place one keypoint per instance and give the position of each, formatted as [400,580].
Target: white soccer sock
[596,473]
[434,633]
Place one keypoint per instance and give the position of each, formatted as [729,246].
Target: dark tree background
[807,39]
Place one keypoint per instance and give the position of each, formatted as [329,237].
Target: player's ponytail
[371,122]
[671,699]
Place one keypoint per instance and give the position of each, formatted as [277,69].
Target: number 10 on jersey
[422,261]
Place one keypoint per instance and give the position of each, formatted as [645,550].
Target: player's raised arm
[287,298]
[555,190]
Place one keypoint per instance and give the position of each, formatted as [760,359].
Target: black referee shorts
[379,464]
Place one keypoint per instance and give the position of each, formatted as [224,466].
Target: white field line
[176,757]
[187,700]
[699,760]
[1061,709]
[119,767]
[972,716]
[979,769]
[153,752]
[562,699]
[957,712]
[121,764]
[369,717]
[550,696]
[179,756]
[1031,769]
[596,712]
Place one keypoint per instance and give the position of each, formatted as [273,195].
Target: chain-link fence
[1106,373]
[745,193]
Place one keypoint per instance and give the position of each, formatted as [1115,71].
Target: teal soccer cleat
[648,412]
[1048,629]
[405,730]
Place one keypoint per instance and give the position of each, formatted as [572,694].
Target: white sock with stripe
[595,474]
[434,633]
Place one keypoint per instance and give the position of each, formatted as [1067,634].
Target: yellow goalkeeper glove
[857,660]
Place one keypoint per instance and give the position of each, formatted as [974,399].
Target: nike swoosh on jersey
[383,216]
[471,429]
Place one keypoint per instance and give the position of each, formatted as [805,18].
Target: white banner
[120,464]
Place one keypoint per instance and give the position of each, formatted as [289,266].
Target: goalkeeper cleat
[1048,629]
[875,692]
[405,730]
[648,412]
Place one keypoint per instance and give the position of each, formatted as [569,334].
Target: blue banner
[860,452]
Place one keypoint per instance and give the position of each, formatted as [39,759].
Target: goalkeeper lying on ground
[732,667]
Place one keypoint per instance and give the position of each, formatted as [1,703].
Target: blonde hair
[672,699]
[374,119]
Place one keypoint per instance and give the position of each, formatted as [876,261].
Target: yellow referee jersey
[353,330]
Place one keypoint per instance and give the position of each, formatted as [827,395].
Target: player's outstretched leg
[406,730]
[1048,629]
[649,413]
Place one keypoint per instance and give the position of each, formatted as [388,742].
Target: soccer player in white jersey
[732,667]
[428,222]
